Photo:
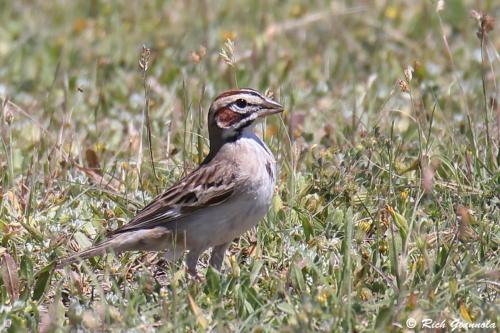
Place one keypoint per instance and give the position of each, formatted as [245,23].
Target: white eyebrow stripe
[250,98]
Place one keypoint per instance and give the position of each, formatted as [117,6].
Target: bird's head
[233,111]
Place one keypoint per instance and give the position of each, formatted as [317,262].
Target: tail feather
[99,249]
[146,239]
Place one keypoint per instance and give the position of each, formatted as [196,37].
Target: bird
[226,195]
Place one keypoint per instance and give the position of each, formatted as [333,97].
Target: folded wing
[209,185]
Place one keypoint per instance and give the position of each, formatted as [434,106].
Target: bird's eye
[241,103]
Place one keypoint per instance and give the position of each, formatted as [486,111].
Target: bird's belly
[224,223]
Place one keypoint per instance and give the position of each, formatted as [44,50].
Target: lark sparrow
[226,195]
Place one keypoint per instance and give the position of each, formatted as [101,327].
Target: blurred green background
[387,205]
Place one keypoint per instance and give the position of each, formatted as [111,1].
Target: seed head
[486,23]
[145,57]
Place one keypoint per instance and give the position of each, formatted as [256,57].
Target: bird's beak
[269,107]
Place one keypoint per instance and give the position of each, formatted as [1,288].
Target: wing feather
[209,185]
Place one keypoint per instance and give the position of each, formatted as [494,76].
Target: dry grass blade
[97,178]
[289,25]
[144,62]
[200,318]
[10,277]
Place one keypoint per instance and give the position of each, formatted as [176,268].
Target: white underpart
[244,209]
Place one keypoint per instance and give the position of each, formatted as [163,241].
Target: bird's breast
[256,174]
[257,165]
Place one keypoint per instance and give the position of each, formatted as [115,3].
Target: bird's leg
[192,261]
[173,254]
[217,256]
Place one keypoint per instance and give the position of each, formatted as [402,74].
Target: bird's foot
[193,274]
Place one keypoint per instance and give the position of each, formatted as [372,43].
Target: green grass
[387,205]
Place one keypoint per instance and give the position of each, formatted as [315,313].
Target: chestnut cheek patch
[226,117]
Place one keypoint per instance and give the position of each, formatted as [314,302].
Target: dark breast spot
[269,169]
